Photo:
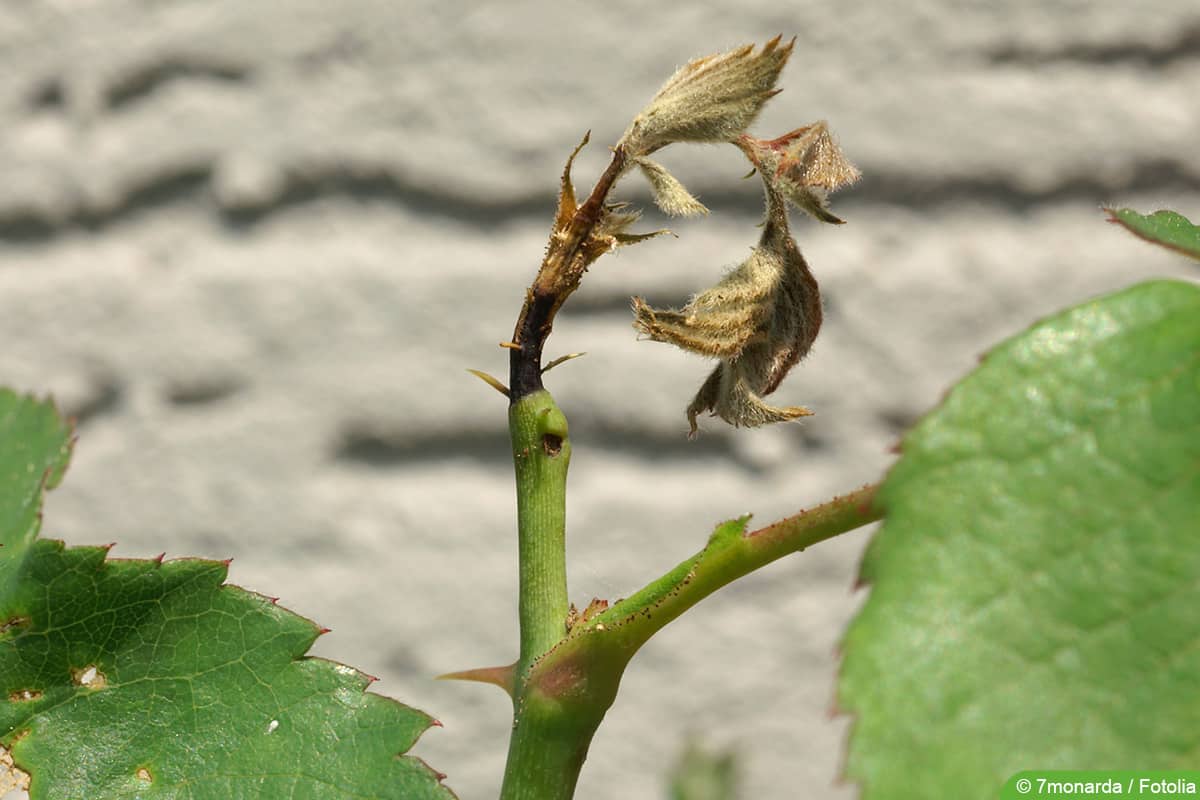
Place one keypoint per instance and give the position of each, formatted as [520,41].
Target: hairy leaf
[710,99]
[761,319]
[804,166]
[144,678]
[669,194]
[1034,588]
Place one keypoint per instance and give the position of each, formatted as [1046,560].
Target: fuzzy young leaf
[135,678]
[1033,590]
[804,166]
[669,194]
[710,99]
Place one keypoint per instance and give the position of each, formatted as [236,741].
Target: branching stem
[730,554]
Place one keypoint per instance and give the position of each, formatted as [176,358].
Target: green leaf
[143,678]
[35,446]
[1165,228]
[1034,588]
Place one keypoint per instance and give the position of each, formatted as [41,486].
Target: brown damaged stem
[557,278]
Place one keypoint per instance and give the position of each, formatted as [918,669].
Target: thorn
[490,381]
[750,174]
[436,723]
[497,676]
[321,631]
[621,239]
[510,345]
[560,360]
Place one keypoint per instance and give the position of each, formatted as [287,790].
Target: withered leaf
[760,320]
[710,99]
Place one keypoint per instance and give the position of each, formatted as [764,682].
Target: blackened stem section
[559,276]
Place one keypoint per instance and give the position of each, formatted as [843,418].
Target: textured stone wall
[252,247]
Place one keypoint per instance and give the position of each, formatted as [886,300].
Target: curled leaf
[710,99]
[803,166]
[761,319]
[669,194]
[719,321]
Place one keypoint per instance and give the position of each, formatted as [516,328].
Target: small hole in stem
[552,444]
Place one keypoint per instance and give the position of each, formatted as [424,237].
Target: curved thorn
[560,360]
[490,381]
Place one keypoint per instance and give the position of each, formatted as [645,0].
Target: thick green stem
[549,740]
[541,452]
[546,753]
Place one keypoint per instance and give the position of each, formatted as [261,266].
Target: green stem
[546,753]
[541,452]
[731,553]
[549,742]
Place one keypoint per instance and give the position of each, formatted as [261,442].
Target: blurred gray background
[252,248]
